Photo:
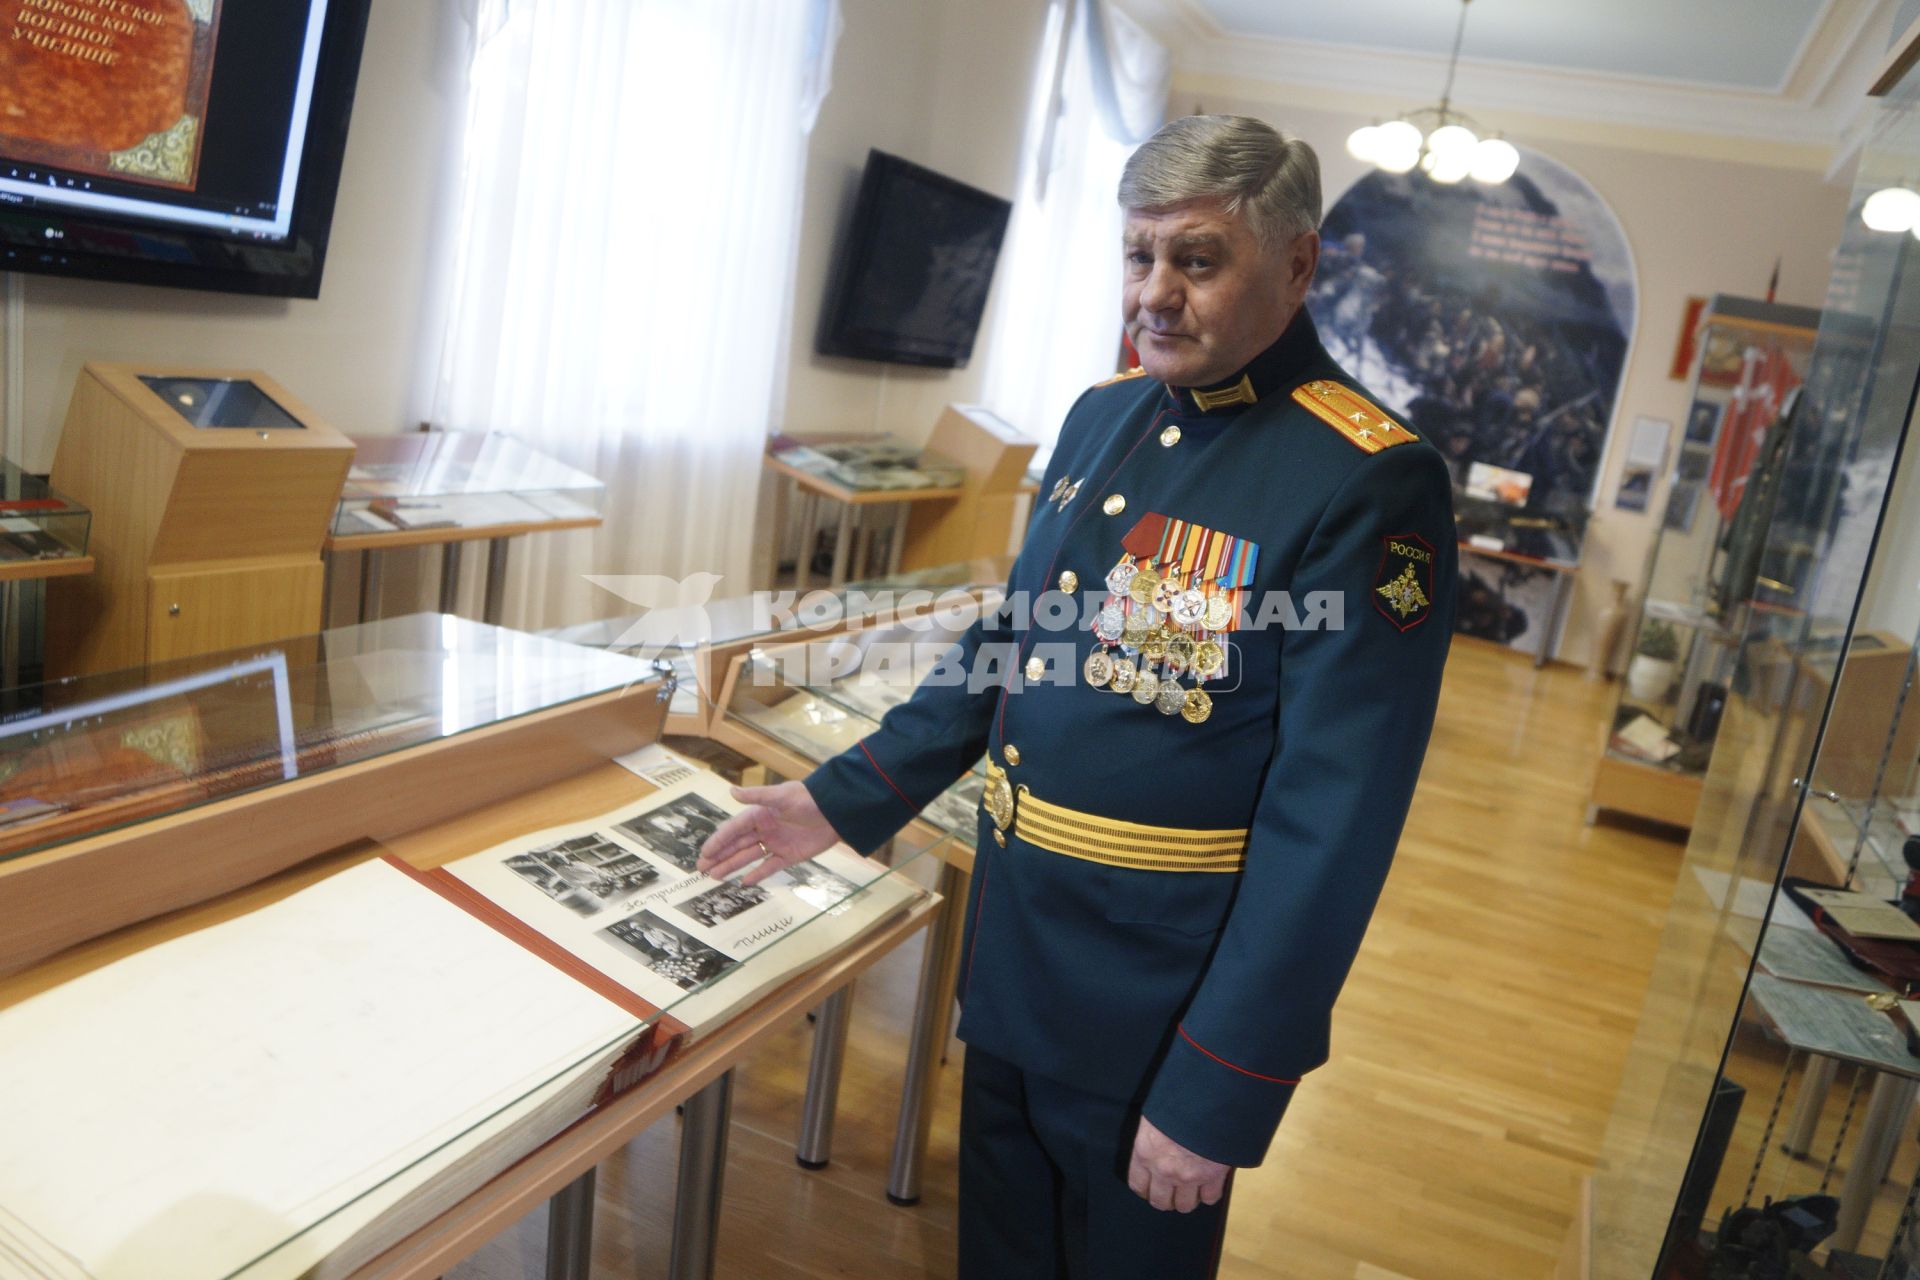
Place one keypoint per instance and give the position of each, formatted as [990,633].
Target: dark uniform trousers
[1043,1188]
[1169,889]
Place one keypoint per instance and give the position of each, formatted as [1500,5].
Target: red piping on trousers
[883,776]
[1223,1062]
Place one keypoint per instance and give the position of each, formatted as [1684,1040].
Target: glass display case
[700,663]
[1750,441]
[91,753]
[485,1040]
[1764,1124]
[38,525]
[813,698]
[459,480]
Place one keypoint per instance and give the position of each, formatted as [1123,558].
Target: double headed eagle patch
[1403,588]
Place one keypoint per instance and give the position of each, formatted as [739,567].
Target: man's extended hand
[1168,1176]
[781,825]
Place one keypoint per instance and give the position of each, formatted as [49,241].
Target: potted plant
[1650,674]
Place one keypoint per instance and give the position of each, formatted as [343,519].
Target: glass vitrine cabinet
[1765,1119]
[1749,426]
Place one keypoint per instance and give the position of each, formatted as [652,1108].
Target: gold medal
[1124,674]
[1181,650]
[1172,698]
[1167,594]
[1146,687]
[1139,625]
[1145,583]
[1218,615]
[1198,706]
[1209,658]
[1155,645]
[1098,668]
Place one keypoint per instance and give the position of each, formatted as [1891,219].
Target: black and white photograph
[1703,422]
[669,951]
[722,902]
[586,874]
[814,885]
[676,830]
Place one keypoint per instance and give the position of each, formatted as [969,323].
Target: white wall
[354,353]
[1698,224]
[944,83]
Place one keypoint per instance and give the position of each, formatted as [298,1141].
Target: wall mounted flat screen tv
[911,279]
[194,143]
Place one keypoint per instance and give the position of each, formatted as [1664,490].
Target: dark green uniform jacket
[1114,940]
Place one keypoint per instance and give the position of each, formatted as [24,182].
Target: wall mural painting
[1495,321]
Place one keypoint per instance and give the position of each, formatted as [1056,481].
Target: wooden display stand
[204,539]
[980,521]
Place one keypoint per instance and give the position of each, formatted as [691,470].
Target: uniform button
[1012,753]
[1036,667]
[1000,837]
[1069,582]
[1170,437]
[1114,505]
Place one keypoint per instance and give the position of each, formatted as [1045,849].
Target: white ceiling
[1741,44]
[1791,72]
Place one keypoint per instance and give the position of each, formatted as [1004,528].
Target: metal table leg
[809,504]
[1887,1112]
[703,1161]
[815,1147]
[1562,586]
[570,1230]
[1815,1085]
[842,542]
[450,577]
[939,967]
[897,537]
[495,600]
[369,585]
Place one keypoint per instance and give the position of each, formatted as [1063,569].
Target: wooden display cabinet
[205,537]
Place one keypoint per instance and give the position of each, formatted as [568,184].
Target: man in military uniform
[1187,820]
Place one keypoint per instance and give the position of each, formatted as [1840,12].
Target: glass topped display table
[449,488]
[220,860]
[43,534]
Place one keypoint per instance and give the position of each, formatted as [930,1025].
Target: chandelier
[1442,142]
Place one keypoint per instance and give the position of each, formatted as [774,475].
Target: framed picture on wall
[1703,421]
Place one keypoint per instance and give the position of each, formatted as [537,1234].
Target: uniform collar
[1274,371]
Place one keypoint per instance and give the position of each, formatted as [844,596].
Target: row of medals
[1169,625]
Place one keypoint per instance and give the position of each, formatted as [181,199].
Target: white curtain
[625,228]
[1101,90]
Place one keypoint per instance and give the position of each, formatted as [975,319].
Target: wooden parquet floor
[1476,1051]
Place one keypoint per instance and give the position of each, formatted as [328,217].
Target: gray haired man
[1184,832]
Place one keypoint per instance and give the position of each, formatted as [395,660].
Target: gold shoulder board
[1135,372]
[1353,415]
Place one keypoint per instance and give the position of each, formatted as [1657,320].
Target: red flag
[1766,377]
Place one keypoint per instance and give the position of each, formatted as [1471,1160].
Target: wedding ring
[764,851]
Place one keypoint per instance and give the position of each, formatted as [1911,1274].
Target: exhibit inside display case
[700,661]
[1765,1121]
[38,523]
[1751,426]
[450,480]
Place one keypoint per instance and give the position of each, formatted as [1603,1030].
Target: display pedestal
[980,521]
[206,532]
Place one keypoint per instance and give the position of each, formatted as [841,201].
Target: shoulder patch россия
[1135,372]
[1403,585]
[1354,416]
